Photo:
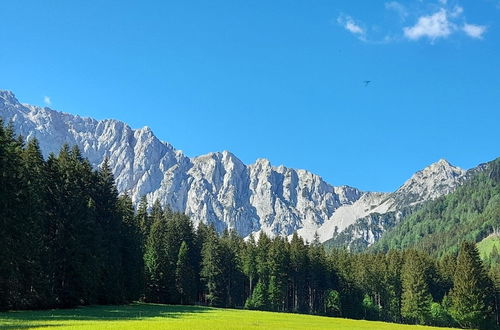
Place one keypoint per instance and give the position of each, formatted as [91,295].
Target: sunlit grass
[151,316]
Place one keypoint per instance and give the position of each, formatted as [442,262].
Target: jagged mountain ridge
[215,188]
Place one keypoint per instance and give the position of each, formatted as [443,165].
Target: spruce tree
[298,272]
[471,296]
[156,262]
[250,263]
[106,200]
[212,269]
[143,218]
[184,275]
[131,250]
[279,260]
[416,299]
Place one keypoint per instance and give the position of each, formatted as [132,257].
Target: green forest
[68,239]
[471,212]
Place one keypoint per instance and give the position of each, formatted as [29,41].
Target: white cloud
[474,31]
[398,8]
[456,12]
[350,25]
[433,26]
[47,100]
[443,2]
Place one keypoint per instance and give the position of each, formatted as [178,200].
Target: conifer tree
[250,263]
[298,272]
[184,275]
[471,296]
[279,260]
[212,269]
[143,218]
[106,200]
[233,277]
[12,223]
[131,250]
[416,299]
[156,261]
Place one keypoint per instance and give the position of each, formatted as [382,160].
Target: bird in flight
[367,82]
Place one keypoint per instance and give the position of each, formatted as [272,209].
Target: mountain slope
[471,212]
[218,188]
[386,211]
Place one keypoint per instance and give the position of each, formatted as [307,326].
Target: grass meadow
[153,316]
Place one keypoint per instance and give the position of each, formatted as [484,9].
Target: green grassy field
[487,244]
[151,316]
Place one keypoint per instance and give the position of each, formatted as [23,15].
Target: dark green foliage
[438,227]
[184,275]
[69,239]
[63,236]
[416,299]
[333,305]
[212,269]
[472,293]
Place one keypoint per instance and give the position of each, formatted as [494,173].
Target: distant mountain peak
[218,188]
[437,179]
[8,97]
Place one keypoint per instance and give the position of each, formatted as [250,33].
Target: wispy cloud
[474,31]
[398,8]
[352,26]
[47,100]
[433,26]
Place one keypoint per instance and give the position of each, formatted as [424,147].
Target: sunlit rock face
[218,188]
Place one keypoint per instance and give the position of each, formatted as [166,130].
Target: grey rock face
[218,188]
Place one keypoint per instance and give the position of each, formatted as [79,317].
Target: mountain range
[218,188]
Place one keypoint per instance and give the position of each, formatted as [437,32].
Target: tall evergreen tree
[249,259]
[184,275]
[212,269]
[143,218]
[12,223]
[471,295]
[298,273]
[131,250]
[106,201]
[416,299]
[156,261]
[279,260]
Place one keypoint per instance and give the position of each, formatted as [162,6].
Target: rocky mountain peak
[435,180]
[218,188]
[8,98]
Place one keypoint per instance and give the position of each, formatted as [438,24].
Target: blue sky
[278,79]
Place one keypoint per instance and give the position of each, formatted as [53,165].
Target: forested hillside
[68,239]
[470,213]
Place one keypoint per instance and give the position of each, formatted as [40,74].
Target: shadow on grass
[135,311]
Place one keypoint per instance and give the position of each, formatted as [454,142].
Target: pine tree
[471,296]
[12,224]
[416,299]
[156,262]
[143,218]
[212,269]
[233,277]
[279,260]
[317,277]
[394,260]
[184,275]
[131,250]
[250,263]
[32,245]
[298,272]
[106,200]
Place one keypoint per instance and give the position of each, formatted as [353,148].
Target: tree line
[68,238]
